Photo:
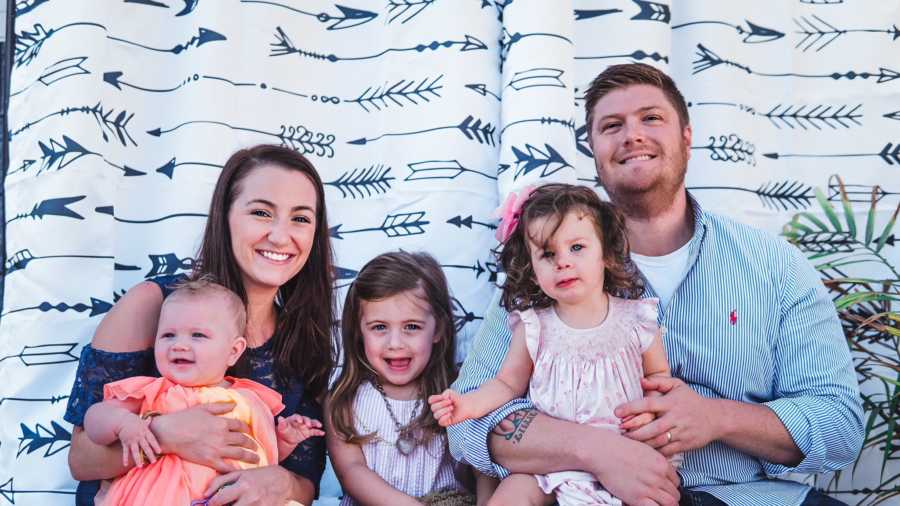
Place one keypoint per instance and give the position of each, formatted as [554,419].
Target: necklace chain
[405,441]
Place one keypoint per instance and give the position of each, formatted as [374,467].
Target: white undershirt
[664,273]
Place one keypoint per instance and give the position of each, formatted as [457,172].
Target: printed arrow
[549,160]
[33,440]
[204,36]
[581,141]
[284,46]
[507,40]
[394,225]
[893,115]
[753,33]
[45,354]
[822,2]
[348,17]
[890,154]
[818,30]
[8,491]
[168,169]
[468,221]
[168,264]
[729,148]
[189,5]
[440,169]
[29,44]
[51,400]
[827,242]
[342,273]
[477,268]
[109,210]
[482,90]
[582,14]
[397,8]
[652,11]
[706,59]
[58,156]
[817,115]
[775,195]
[473,130]
[568,123]
[97,307]
[298,138]
[26,6]
[861,193]
[636,55]
[51,207]
[537,77]
[362,183]
[742,107]
[117,126]
[63,69]
[462,316]
[398,93]
[114,78]
[20,260]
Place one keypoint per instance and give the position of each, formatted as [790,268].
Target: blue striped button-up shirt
[750,321]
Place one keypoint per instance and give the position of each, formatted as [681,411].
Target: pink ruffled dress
[582,375]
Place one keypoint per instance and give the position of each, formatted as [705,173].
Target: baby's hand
[634,422]
[137,441]
[295,429]
[446,408]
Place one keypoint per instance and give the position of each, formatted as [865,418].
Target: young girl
[201,327]
[398,344]
[581,341]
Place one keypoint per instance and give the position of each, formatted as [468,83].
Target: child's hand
[447,408]
[295,429]
[137,441]
[635,422]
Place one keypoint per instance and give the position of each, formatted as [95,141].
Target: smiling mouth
[275,256]
[398,363]
[182,361]
[639,158]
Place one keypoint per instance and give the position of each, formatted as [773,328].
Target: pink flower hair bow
[510,213]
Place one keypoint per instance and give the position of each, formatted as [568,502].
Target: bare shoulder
[131,323]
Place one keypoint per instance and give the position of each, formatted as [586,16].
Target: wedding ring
[668,436]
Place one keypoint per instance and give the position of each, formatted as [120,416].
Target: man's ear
[237,348]
[686,135]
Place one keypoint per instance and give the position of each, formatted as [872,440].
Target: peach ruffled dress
[171,480]
[582,375]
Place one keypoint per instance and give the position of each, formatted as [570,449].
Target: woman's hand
[260,486]
[198,435]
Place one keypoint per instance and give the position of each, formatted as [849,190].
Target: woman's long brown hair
[384,276]
[302,343]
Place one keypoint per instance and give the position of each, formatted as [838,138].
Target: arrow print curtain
[419,114]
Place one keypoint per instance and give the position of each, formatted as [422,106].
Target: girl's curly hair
[556,200]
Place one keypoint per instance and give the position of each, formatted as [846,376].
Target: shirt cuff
[792,414]
[469,440]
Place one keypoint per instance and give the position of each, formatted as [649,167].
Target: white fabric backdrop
[419,114]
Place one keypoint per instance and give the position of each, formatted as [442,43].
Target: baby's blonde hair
[205,286]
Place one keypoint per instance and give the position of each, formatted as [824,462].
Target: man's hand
[198,435]
[637,474]
[683,417]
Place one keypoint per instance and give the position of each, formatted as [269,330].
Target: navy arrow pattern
[420,115]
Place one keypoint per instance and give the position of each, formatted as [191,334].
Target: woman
[266,239]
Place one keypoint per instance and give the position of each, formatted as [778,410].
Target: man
[765,380]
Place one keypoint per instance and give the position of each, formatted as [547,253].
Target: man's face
[640,148]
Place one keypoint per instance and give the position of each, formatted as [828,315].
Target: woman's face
[273,224]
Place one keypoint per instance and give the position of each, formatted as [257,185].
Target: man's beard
[650,201]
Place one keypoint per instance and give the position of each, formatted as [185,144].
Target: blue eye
[413,326]
[200,335]
[577,247]
[379,327]
[167,335]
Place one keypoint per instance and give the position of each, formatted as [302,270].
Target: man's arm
[813,424]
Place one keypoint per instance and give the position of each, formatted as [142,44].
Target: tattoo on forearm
[514,426]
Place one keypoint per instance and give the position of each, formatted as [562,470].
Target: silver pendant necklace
[406,441]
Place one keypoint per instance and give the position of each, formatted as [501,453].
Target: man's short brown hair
[621,76]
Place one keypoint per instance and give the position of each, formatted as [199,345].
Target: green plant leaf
[815,221]
[887,230]
[848,208]
[870,217]
[829,210]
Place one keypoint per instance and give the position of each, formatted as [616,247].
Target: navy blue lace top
[97,367]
